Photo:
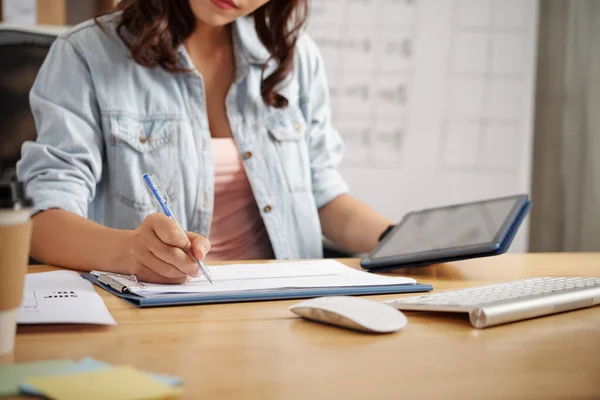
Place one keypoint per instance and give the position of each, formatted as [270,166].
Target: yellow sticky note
[117,383]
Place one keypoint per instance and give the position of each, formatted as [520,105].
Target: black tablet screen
[443,228]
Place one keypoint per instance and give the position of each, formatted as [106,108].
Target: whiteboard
[434,98]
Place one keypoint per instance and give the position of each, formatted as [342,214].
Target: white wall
[434,98]
[21,12]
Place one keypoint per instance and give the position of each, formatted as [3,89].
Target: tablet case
[263,295]
[505,243]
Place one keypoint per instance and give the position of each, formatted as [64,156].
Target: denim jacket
[103,120]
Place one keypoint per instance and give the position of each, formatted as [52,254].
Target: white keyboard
[496,304]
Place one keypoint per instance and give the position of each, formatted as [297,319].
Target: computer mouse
[351,312]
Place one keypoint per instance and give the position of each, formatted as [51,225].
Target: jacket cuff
[327,186]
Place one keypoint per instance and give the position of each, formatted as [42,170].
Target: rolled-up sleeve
[325,143]
[62,167]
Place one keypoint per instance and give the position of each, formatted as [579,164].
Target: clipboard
[162,300]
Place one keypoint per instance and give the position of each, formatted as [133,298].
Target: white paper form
[269,276]
[61,297]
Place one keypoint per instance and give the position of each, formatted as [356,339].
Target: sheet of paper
[61,297]
[117,383]
[13,374]
[271,276]
[89,364]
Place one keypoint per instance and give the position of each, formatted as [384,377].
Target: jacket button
[267,208]
[247,155]
[296,126]
[143,140]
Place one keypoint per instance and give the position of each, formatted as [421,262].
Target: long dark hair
[153,30]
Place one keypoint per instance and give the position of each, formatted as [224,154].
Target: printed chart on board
[434,98]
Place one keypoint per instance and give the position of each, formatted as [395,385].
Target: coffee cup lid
[12,195]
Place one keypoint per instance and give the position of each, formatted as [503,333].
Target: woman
[226,103]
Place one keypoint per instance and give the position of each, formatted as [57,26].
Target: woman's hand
[156,251]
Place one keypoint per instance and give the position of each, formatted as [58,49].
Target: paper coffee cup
[15,236]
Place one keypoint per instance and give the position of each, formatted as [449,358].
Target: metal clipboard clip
[114,281]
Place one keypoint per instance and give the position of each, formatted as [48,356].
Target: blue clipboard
[266,295]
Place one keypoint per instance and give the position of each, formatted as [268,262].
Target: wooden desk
[261,350]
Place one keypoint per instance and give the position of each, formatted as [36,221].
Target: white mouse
[351,312]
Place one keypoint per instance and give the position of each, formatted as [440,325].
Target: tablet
[452,232]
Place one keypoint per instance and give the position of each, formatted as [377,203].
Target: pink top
[237,231]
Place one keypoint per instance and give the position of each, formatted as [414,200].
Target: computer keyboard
[501,303]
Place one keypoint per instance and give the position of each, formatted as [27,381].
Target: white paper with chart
[61,297]
[434,98]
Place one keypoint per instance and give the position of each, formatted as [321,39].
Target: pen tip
[207,275]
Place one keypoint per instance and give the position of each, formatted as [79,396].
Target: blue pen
[162,200]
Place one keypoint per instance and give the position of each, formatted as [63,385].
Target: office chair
[22,51]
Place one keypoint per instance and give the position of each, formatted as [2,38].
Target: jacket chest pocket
[138,146]
[287,130]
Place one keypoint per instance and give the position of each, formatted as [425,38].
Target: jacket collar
[244,33]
